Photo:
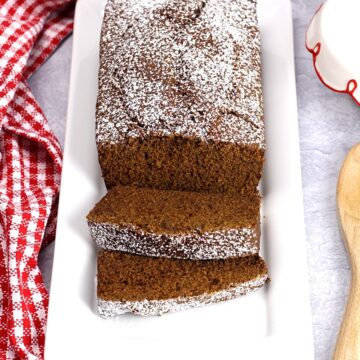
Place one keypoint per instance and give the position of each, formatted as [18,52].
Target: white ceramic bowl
[333,39]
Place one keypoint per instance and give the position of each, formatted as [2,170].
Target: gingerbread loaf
[176,224]
[180,102]
[154,286]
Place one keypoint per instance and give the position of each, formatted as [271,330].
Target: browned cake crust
[177,224]
[153,286]
[180,100]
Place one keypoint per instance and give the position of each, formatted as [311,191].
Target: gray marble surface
[329,125]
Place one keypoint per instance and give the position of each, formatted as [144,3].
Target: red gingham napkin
[30,166]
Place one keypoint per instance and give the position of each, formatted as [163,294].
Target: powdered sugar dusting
[219,244]
[180,67]
[108,309]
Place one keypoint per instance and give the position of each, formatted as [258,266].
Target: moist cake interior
[126,277]
[179,163]
[172,212]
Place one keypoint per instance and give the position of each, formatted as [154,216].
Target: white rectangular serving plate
[273,323]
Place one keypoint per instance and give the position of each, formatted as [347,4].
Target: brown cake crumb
[125,277]
[178,224]
[174,212]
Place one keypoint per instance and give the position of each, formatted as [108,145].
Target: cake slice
[180,100]
[154,286]
[176,224]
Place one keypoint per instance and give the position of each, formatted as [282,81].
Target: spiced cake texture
[180,101]
[180,138]
[154,286]
[176,224]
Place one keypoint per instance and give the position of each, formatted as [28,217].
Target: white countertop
[329,126]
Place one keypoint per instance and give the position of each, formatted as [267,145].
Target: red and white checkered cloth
[30,166]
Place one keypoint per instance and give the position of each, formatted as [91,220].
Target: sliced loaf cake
[176,224]
[154,286]
[180,138]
